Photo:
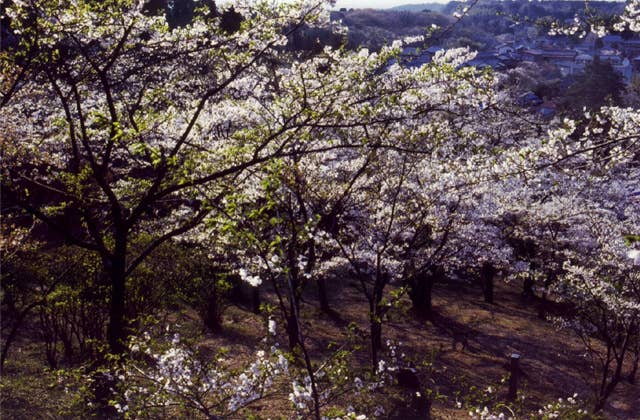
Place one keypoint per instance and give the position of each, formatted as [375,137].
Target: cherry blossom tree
[576,212]
[120,126]
[123,133]
[407,201]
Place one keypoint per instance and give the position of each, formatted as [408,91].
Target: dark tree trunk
[116,332]
[427,300]
[421,406]
[67,345]
[292,329]
[606,389]
[14,332]
[527,288]
[103,386]
[322,296]
[50,339]
[212,315]
[487,274]
[255,299]
[542,310]
[293,290]
[320,282]
[636,355]
[634,368]
[376,341]
[421,290]
[376,313]
[514,370]
[7,343]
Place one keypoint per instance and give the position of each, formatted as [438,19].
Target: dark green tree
[600,84]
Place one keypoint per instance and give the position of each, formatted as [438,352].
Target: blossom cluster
[176,375]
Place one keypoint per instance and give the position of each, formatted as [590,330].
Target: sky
[380,4]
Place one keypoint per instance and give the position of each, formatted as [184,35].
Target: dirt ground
[469,342]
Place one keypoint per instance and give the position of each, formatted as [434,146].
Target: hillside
[251,211]
[434,7]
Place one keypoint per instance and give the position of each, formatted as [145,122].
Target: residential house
[589,41]
[612,41]
[619,63]
[487,59]
[529,99]
[547,110]
[631,47]
[635,64]
[625,69]
[563,58]
[416,57]
[581,62]
[504,50]
[612,56]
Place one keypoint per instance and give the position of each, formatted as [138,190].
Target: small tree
[604,290]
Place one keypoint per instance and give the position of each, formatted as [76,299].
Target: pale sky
[380,4]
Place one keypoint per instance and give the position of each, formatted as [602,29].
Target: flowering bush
[174,378]
[570,408]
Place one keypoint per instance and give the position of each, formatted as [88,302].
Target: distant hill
[433,7]
[372,28]
[559,8]
[487,19]
[555,8]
